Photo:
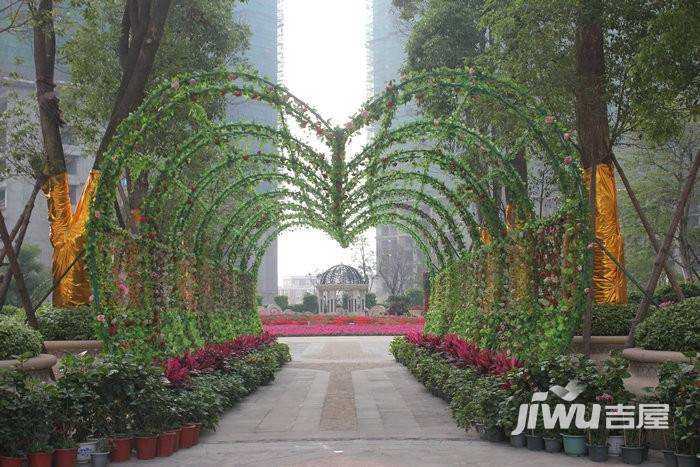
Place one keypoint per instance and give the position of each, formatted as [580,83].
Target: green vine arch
[265,180]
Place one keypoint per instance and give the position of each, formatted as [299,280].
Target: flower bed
[124,396]
[307,324]
[486,390]
[342,329]
[310,318]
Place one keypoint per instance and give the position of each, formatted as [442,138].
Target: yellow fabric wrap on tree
[67,235]
[609,283]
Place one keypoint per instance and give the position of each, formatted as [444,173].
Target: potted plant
[12,458]
[633,450]
[39,412]
[170,421]
[598,437]
[100,457]
[85,450]
[40,454]
[535,441]
[615,442]
[166,444]
[685,409]
[552,440]
[146,444]
[66,452]
[574,442]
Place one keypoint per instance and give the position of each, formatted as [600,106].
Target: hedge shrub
[674,328]
[18,339]
[57,324]
[666,293]
[12,312]
[609,319]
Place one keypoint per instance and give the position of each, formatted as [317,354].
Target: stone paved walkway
[344,401]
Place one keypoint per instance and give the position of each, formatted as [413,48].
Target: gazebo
[336,281]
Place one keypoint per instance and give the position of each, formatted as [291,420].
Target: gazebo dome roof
[341,274]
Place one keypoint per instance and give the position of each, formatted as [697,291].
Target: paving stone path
[345,401]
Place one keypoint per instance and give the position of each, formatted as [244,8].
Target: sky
[325,65]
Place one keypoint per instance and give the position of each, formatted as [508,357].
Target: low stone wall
[600,345]
[38,367]
[60,348]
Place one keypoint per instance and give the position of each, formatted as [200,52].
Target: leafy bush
[485,388]
[398,305]
[18,339]
[281,301]
[12,312]
[674,328]
[58,324]
[310,302]
[610,319]
[414,296]
[666,293]
[678,386]
[370,300]
[298,308]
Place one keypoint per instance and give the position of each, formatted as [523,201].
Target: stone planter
[646,364]
[38,367]
[600,345]
[60,348]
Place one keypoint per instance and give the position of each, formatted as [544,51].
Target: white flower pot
[85,451]
[615,445]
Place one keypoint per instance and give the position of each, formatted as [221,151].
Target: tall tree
[128,36]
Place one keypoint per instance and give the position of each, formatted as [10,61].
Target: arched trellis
[427,190]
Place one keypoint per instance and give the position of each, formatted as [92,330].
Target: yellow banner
[609,283]
[67,235]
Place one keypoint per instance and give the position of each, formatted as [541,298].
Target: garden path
[345,401]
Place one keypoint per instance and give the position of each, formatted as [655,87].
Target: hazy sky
[325,64]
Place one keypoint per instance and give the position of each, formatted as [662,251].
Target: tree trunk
[143,24]
[50,116]
[662,255]
[647,227]
[17,272]
[683,246]
[7,278]
[26,215]
[590,101]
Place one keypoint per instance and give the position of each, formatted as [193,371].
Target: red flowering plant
[211,357]
[463,353]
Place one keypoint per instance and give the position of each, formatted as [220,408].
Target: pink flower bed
[315,319]
[343,329]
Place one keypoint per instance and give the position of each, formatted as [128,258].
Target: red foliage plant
[466,353]
[211,357]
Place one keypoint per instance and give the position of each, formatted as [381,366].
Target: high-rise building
[264,20]
[397,252]
[17,75]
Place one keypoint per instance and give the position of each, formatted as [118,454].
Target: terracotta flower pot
[187,436]
[65,457]
[146,447]
[166,444]
[121,449]
[40,459]
[197,431]
[6,461]
[178,433]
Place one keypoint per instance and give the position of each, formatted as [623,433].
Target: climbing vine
[213,205]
